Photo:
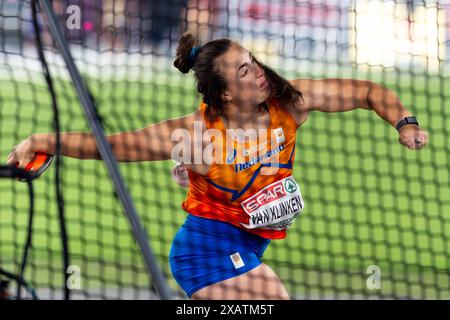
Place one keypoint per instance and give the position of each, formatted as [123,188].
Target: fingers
[420,140]
[418,144]
[416,141]
[13,160]
[180,175]
[12,157]
[424,138]
[178,169]
[20,164]
[414,145]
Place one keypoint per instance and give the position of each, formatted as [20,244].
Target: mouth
[264,84]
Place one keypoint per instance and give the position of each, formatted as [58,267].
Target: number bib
[274,207]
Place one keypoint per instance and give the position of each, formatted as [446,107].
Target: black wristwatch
[406,120]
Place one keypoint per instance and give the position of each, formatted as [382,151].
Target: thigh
[260,283]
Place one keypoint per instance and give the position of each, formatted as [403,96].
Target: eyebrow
[246,63]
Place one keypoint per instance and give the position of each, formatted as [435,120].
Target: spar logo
[290,185]
[269,194]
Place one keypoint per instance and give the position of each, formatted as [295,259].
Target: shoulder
[296,109]
[309,88]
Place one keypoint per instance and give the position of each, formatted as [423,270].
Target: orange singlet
[250,185]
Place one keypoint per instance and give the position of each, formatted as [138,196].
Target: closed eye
[252,61]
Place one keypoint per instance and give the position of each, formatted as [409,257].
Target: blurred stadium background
[369,201]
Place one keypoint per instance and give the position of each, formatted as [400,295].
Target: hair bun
[193,56]
[183,58]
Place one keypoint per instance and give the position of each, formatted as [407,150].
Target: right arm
[150,143]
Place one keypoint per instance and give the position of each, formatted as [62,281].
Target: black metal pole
[106,154]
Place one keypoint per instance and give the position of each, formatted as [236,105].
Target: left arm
[339,95]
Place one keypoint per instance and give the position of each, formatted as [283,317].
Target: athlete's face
[246,82]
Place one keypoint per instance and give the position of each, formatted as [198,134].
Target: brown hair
[210,82]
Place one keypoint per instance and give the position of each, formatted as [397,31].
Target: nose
[259,71]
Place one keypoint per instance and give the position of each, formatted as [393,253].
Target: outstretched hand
[180,175]
[413,137]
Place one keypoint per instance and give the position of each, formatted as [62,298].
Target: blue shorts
[206,251]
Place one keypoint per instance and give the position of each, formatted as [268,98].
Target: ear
[226,97]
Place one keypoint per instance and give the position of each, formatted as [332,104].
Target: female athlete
[241,190]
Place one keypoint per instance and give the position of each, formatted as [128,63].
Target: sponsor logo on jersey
[255,160]
[231,156]
[279,135]
[274,207]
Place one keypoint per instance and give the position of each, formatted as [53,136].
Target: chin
[265,97]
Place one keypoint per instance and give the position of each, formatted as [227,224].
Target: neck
[241,116]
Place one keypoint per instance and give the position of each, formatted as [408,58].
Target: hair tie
[193,55]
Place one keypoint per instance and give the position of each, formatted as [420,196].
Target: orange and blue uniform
[218,194]
[247,197]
